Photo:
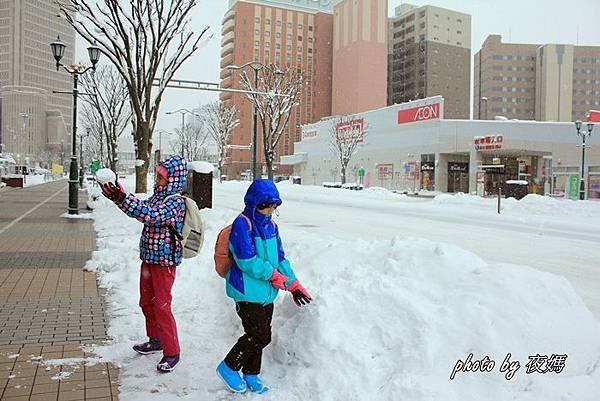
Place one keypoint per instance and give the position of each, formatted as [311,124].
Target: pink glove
[278,280]
[299,293]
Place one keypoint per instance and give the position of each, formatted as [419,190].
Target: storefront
[458,177]
[426,152]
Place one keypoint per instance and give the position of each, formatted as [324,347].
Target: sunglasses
[266,205]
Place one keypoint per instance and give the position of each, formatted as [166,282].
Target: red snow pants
[155,300]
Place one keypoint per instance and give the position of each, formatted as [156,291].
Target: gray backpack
[192,235]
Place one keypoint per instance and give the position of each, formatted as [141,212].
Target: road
[567,251]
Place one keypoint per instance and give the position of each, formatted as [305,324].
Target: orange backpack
[223,258]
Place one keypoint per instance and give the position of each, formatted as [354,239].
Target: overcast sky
[518,21]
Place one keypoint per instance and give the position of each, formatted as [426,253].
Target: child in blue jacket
[259,271]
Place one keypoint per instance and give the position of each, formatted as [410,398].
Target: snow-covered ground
[404,289]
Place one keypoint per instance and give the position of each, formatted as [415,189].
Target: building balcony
[227,38]
[226,50]
[227,60]
[228,27]
[228,16]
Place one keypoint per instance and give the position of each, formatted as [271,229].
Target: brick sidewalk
[49,306]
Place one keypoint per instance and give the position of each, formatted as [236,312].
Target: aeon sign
[421,113]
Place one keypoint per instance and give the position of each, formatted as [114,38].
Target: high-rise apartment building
[430,54]
[289,33]
[28,76]
[550,82]
[359,56]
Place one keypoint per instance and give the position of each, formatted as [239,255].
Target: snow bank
[389,321]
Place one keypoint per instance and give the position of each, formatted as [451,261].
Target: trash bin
[198,186]
[517,189]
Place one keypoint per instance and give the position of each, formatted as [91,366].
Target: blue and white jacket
[256,253]
[158,244]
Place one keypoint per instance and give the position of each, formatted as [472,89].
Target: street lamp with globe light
[583,134]
[58,51]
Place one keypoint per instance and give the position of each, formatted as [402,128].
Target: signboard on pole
[385,171]
[95,166]
[573,186]
[57,169]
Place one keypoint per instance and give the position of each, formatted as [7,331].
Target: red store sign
[421,113]
[351,131]
[488,142]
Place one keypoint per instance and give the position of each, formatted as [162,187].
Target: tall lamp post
[256,67]
[583,134]
[183,112]
[58,51]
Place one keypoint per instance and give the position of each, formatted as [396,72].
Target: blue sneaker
[232,378]
[255,384]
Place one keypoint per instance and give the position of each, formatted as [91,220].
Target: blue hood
[261,191]
[176,166]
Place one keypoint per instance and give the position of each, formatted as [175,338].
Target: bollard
[199,188]
[499,196]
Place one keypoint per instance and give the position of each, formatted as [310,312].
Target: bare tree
[190,141]
[346,133]
[274,110]
[147,41]
[219,120]
[91,122]
[109,110]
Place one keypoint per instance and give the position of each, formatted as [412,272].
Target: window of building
[310,28]
[267,34]
[278,23]
[278,46]
[299,48]
[257,20]
[256,43]
[289,48]
[267,44]
[299,38]
[310,51]
[257,32]
[310,40]
[278,35]
[267,21]
[300,27]
[289,36]
[289,25]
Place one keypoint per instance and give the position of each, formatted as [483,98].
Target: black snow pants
[246,354]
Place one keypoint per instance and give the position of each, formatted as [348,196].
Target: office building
[430,55]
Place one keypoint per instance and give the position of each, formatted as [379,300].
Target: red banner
[488,142]
[593,116]
[421,113]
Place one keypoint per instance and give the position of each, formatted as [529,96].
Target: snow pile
[390,320]
[201,167]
